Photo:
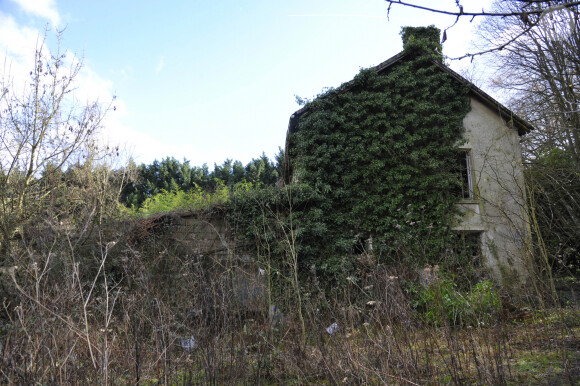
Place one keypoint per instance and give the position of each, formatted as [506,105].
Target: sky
[210,80]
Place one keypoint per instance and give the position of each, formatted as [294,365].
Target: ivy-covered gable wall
[382,150]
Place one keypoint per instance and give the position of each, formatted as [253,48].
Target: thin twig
[461,13]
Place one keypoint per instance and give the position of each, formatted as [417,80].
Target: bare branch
[461,11]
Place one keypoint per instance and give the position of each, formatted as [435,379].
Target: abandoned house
[394,122]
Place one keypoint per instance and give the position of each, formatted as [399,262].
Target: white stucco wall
[497,210]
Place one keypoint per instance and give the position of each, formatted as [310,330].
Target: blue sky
[209,80]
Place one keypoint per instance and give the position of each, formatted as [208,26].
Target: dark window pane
[465,186]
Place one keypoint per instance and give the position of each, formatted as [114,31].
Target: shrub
[484,302]
[443,304]
[175,200]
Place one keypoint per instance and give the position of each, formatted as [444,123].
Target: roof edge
[519,123]
[514,121]
[511,118]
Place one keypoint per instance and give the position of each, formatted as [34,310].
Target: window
[465,186]
[362,246]
[467,248]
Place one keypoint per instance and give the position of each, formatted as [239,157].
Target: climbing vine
[382,150]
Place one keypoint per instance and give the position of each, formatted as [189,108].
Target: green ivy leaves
[382,151]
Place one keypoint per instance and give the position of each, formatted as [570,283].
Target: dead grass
[128,320]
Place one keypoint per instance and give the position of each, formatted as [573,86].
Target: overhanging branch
[460,12]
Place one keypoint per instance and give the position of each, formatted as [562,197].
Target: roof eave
[510,117]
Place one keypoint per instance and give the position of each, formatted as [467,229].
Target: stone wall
[208,237]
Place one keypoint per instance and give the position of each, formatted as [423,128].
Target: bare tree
[43,126]
[539,75]
[541,71]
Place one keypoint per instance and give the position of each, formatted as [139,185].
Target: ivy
[381,152]
[374,158]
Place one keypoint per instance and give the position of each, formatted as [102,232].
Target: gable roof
[515,121]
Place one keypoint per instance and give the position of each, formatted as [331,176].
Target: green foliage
[170,175]
[278,224]
[381,152]
[176,200]
[443,304]
[167,175]
[422,40]
[263,217]
[484,301]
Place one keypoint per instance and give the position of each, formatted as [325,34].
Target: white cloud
[17,45]
[45,9]
[160,65]
[90,86]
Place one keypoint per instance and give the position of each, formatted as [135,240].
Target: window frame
[465,169]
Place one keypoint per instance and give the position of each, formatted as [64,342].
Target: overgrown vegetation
[178,275]
[381,150]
